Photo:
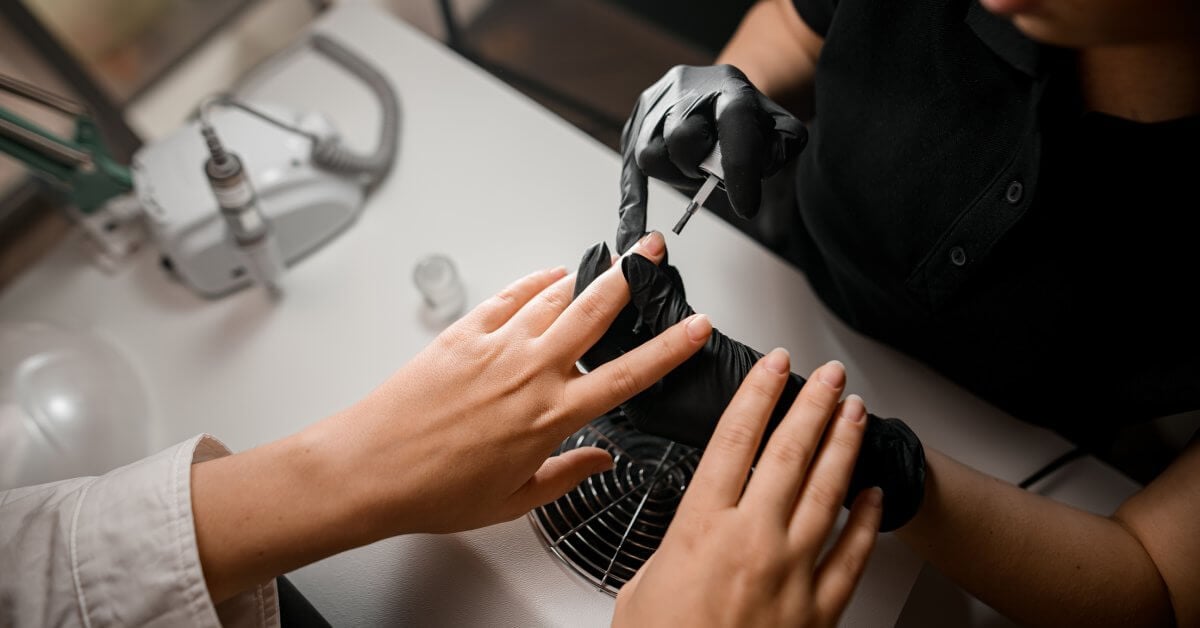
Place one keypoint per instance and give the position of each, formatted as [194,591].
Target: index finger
[786,459]
[631,214]
[825,488]
[615,382]
[586,319]
[721,474]
[497,310]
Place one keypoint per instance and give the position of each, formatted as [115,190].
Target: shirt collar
[1004,39]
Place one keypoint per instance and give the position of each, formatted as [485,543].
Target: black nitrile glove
[673,128]
[686,404]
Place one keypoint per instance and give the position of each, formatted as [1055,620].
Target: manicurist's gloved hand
[674,126]
[744,553]
[686,404]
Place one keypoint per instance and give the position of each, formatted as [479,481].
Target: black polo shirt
[956,200]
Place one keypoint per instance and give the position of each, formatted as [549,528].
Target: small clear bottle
[440,286]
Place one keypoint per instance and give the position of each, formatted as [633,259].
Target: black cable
[1051,467]
[320,6]
[453,34]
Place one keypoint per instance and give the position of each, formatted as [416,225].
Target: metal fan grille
[609,525]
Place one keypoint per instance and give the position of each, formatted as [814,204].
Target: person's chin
[1037,22]
[1045,31]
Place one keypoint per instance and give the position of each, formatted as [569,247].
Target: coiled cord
[330,153]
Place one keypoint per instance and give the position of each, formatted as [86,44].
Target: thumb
[631,586]
[559,474]
[657,293]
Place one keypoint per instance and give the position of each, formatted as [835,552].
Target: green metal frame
[83,166]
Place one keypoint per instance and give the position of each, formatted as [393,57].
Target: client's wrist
[346,487]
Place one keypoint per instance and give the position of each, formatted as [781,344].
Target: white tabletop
[502,186]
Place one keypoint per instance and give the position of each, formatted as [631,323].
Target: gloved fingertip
[597,256]
[596,260]
[801,139]
[639,272]
[674,277]
[636,262]
[745,198]
[792,130]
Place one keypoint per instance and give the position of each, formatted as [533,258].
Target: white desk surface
[502,186]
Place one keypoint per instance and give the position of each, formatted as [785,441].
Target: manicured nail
[833,374]
[699,328]
[777,361]
[652,243]
[853,409]
[875,497]
[557,271]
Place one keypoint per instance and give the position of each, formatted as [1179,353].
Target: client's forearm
[1035,560]
[272,509]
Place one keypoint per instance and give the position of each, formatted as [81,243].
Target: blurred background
[141,66]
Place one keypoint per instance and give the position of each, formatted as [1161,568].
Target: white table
[502,186]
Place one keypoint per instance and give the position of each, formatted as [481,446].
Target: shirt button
[1014,192]
[958,256]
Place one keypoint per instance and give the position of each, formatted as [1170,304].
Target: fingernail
[777,361]
[601,467]
[875,497]
[833,374]
[699,327]
[557,271]
[853,409]
[652,243]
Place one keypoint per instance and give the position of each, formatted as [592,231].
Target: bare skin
[1083,24]
[460,437]
[1136,60]
[751,557]
[778,52]
[1033,559]
[1146,83]
[1046,564]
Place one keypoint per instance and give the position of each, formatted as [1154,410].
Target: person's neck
[1144,83]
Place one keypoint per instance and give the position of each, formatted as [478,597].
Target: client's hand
[748,554]
[460,437]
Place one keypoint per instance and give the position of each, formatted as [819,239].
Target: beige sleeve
[116,550]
